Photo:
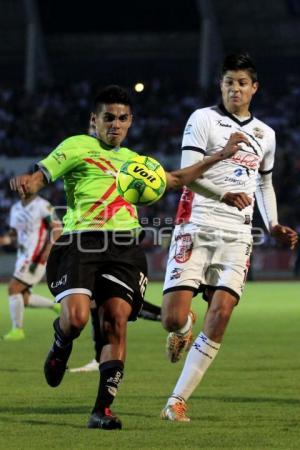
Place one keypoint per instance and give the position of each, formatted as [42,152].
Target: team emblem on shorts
[184,247]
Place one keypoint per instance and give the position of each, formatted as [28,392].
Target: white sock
[186,327]
[16,309]
[199,358]
[37,301]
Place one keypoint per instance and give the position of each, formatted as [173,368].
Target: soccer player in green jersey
[98,255]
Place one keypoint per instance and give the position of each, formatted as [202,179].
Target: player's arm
[183,177]
[28,184]
[267,205]
[55,229]
[60,161]
[8,238]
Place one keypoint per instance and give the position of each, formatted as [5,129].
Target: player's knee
[172,322]
[78,319]
[115,326]
[221,314]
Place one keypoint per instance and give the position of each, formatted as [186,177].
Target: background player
[31,227]
[212,241]
[99,256]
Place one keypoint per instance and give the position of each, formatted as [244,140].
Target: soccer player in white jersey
[31,221]
[211,243]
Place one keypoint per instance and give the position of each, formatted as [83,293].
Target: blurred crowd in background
[34,125]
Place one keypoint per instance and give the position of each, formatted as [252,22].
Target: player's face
[237,90]
[112,123]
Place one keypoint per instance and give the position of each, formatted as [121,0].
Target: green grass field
[249,398]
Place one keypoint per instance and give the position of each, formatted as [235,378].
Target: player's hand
[21,185]
[232,145]
[238,199]
[285,235]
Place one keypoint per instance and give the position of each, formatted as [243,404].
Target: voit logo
[143,173]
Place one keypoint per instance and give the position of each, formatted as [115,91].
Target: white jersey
[206,132]
[31,224]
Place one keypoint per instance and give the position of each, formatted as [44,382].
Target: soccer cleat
[105,420]
[178,343]
[55,366]
[175,412]
[14,335]
[89,367]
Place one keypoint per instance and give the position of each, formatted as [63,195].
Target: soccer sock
[16,309]
[96,333]
[111,374]
[187,326]
[37,301]
[62,345]
[199,358]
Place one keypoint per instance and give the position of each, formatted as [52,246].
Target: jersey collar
[235,119]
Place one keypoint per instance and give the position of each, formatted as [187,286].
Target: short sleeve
[62,159]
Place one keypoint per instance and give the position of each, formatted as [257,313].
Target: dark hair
[111,94]
[239,61]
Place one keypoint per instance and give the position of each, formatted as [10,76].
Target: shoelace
[179,408]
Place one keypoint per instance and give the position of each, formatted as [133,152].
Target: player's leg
[150,311]
[228,275]
[184,273]
[75,309]
[93,365]
[16,289]
[33,276]
[178,319]
[202,353]
[115,313]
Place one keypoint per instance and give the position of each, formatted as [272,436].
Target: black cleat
[55,366]
[105,420]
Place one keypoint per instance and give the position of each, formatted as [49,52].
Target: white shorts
[26,272]
[201,257]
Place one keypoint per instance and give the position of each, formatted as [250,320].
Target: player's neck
[240,113]
[26,201]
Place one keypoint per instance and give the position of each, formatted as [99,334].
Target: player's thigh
[29,273]
[189,256]
[229,267]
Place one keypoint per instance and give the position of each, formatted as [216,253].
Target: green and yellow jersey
[89,173]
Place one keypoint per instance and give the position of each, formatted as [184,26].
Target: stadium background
[56,54]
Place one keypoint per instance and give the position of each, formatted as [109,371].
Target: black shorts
[99,264]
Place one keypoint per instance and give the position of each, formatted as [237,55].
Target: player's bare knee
[78,319]
[172,322]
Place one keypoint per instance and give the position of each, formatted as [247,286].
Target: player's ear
[255,87]
[130,120]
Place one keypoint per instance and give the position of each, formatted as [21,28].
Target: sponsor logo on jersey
[238,172]
[184,247]
[248,160]
[59,156]
[188,129]
[235,181]
[222,124]
[258,133]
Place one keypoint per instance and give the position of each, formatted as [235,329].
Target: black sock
[111,374]
[62,345]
